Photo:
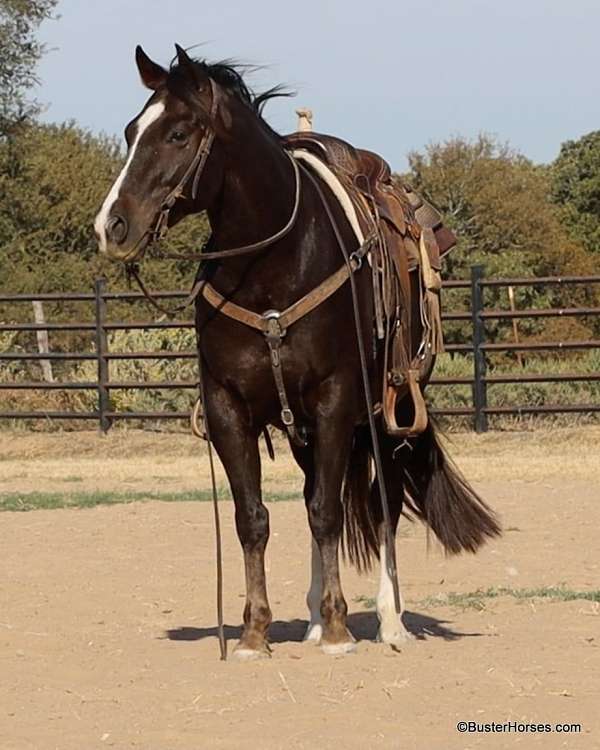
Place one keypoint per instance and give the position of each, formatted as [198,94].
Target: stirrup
[390,400]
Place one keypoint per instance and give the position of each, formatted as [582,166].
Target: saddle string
[390,562]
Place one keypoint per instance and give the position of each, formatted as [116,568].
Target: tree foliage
[576,189]
[499,205]
[21,51]
[53,179]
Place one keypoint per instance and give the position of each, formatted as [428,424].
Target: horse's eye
[177,136]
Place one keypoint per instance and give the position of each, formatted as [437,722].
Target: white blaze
[147,117]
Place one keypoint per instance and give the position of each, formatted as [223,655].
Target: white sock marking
[147,117]
[391,628]
[313,597]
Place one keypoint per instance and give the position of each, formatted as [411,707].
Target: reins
[253,247]
[236,252]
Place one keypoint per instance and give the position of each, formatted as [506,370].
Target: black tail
[438,494]
[361,519]
[433,490]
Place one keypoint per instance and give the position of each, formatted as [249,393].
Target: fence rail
[478,315]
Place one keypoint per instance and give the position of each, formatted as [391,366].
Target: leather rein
[161,226]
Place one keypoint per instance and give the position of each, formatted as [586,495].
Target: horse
[201,143]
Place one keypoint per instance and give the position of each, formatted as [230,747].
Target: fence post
[101,352]
[479,365]
[42,340]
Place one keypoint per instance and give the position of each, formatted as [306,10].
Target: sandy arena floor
[107,624]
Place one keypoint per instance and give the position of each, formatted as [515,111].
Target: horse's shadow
[362,625]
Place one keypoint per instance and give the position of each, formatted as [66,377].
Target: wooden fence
[101,325]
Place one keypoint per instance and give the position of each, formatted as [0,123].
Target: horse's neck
[257,201]
[258,192]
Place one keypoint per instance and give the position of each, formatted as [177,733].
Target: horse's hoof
[314,632]
[241,653]
[337,649]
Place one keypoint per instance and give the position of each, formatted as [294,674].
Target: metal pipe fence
[101,326]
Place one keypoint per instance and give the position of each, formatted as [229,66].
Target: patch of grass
[368,602]
[476,599]
[18,501]
[561,593]
[471,600]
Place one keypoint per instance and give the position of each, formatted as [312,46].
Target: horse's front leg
[237,446]
[332,444]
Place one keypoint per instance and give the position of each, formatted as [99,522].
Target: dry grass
[135,461]
[565,453]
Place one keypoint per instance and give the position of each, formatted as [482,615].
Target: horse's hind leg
[237,447]
[325,514]
[391,627]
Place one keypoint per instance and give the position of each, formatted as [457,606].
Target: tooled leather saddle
[411,239]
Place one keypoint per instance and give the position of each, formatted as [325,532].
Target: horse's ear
[200,78]
[186,63]
[152,74]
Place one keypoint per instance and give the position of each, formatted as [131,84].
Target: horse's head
[173,166]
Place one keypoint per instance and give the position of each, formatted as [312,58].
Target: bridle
[193,173]
[194,170]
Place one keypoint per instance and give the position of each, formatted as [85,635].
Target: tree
[576,189]
[499,205]
[21,51]
[53,179]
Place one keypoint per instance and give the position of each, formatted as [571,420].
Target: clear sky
[390,75]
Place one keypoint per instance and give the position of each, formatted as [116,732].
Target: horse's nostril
[116,229]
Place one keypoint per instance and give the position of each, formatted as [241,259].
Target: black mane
[230,76]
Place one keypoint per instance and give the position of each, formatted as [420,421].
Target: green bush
[145,371]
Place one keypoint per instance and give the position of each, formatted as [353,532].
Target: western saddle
[410,239]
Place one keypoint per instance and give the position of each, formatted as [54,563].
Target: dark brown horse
[202,120]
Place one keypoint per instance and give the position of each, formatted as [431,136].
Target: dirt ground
[107,622]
